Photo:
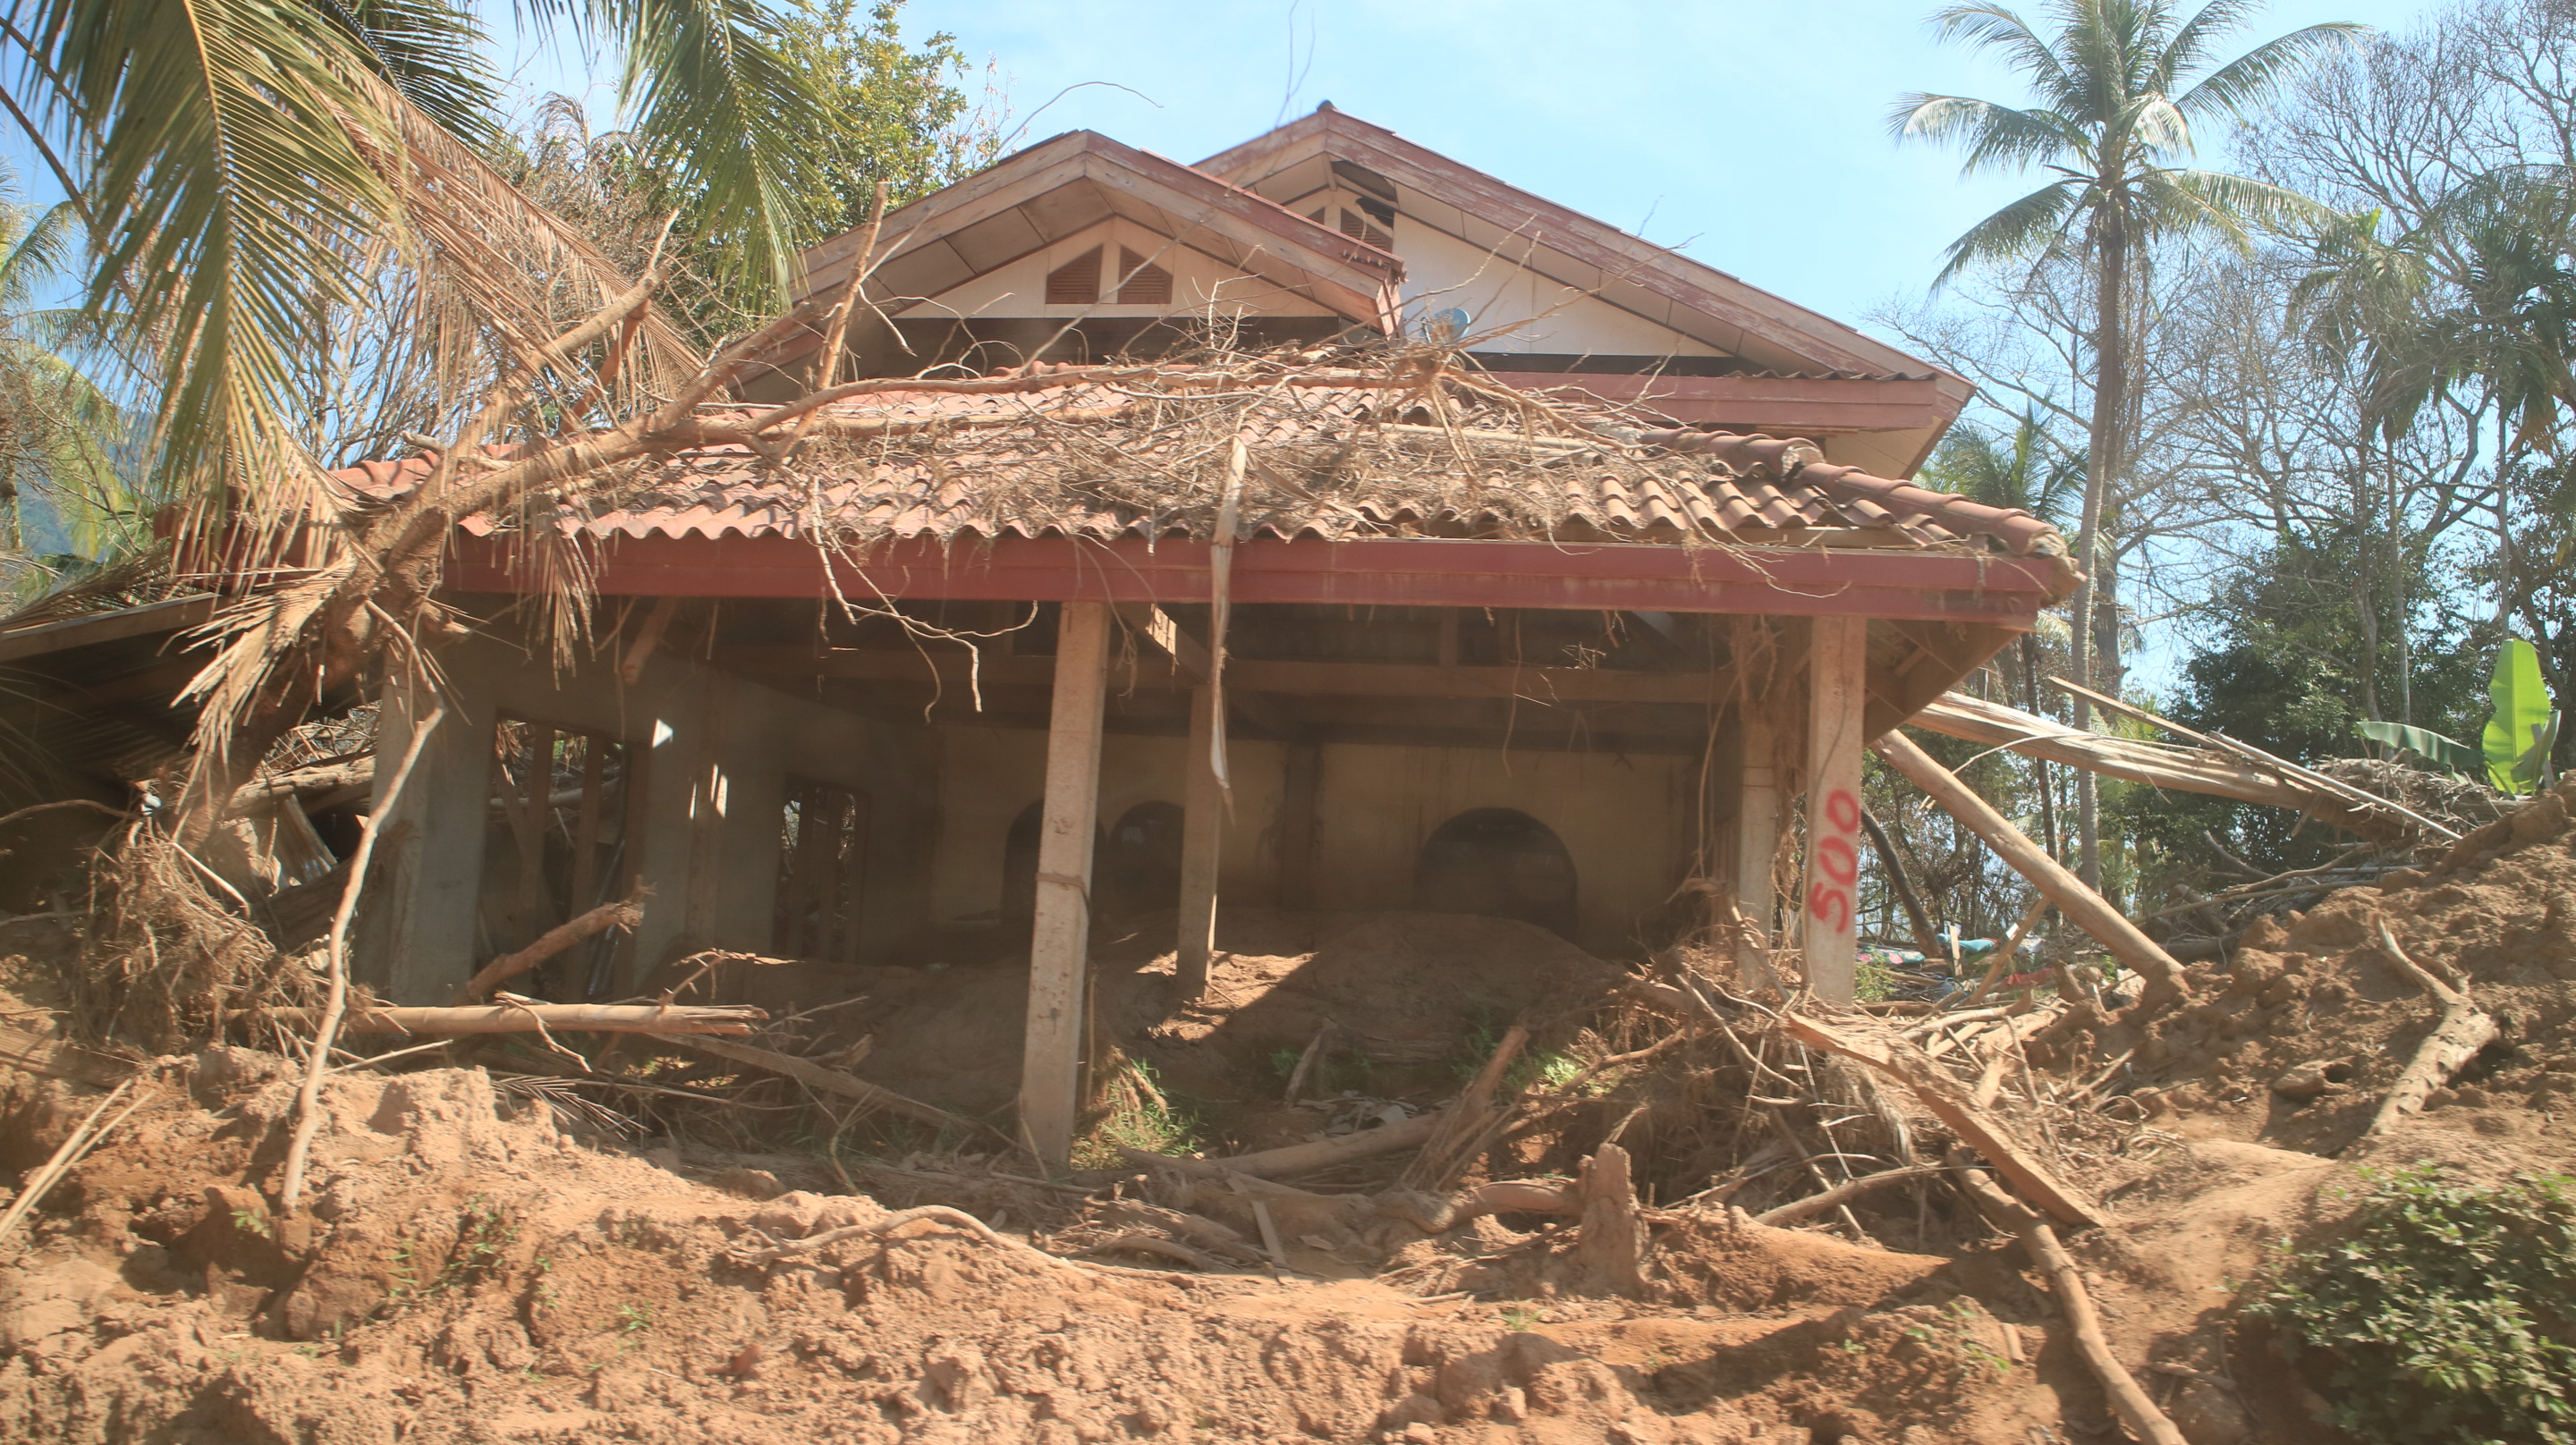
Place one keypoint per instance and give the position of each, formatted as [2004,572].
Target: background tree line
[2342,378]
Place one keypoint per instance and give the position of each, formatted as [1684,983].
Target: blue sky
[1750,133]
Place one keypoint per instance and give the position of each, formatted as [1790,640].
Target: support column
[1837,690]
[1202,841]
[1051,1067]
[1301,781]
[1757,842]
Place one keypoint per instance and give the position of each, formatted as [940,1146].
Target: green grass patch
[2447,1312]
[1139,1114]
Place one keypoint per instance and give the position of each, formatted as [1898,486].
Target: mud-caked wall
[712,753]
[1626,822]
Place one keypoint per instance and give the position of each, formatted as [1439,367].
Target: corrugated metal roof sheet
[1095,458]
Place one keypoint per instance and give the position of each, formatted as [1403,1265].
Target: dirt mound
[1412,995]
[2297,1036]
[471,1271]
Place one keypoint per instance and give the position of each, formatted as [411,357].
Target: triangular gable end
[1080,247]
[1555,300]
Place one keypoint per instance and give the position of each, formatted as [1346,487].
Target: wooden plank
[2087,909]
[170,616]
[1539,686]
[1837,659]
[1202,840]
[1301,787]
[1059,947]
[1906,1064]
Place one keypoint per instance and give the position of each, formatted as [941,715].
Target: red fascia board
[1376,571]
[1826,403]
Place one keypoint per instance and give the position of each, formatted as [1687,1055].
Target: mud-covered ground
[477,1266]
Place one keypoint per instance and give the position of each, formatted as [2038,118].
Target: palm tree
[2118,90]
[245,167]
[66,501]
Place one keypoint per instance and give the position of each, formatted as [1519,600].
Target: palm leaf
[2442,752]
[2523,728]
[431,51]
[2036,223]
[2254,78]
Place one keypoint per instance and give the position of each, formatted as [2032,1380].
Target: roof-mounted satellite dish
[1445,326]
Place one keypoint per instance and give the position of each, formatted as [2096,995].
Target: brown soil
[476,1267]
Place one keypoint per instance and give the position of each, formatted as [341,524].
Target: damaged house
[1325,526]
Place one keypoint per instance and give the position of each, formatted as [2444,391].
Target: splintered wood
[2462,1032]
[1907,1065]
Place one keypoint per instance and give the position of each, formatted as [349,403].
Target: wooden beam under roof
[1534,686]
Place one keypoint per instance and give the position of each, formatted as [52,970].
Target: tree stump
[1610,1240]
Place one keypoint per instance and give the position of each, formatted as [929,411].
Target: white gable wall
[1200,282]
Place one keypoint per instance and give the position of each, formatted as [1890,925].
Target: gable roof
[1712,305]
[1067,184]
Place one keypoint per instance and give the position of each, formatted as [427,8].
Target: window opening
[1146,285]
[1140,863]
[1500,862]
[823,842]
[1076,282]
[556,847]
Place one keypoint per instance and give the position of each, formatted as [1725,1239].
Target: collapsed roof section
[1397,486]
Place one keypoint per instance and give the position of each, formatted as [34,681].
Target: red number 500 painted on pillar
[1829,897]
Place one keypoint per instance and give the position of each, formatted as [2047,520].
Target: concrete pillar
[1059,947]
[1837,691]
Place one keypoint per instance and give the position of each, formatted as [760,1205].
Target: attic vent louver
[1076,282]
[1360,228]
[1146,285]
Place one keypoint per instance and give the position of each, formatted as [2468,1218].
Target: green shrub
[2448,1311]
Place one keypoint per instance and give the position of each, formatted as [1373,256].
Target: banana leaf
[2524,728]
[2442,752]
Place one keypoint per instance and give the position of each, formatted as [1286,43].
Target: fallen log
[2130,1401]
[624,913]
[525,1018]
[2463,1031]
[830,1081]
[2082,906]
[1908,1066]
[1303,1158]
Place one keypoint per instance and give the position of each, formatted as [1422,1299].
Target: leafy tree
[245,168]
[2118,90]
[65,499]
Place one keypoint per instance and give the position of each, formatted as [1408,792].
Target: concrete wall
[712,753]
[1628,822]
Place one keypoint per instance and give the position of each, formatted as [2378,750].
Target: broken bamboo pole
[2128,1399]
[1842,1194]
[2087,909]
[519,1018]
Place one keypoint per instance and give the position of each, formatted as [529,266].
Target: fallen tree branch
[522,1018]
[1304,1158]
[2128,1399]
[329,778]
[625,913]
[1907,1066]
[829,1081]
[308,1098]
[878,1229]
[2462,1032]
[2082,906]
[1844,1193]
